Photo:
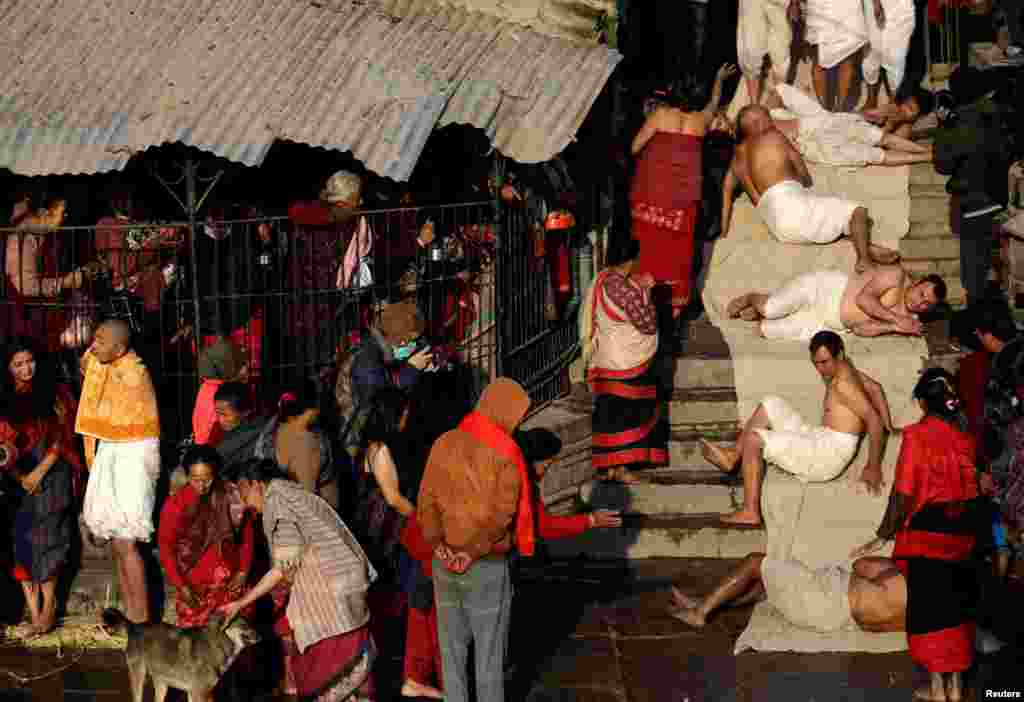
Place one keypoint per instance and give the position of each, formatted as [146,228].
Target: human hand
[230,611]
[880,14]
[867,549]
[30,482]
[909,325]
[421,359]
[237,582]
[726,71]
[188,596]
[605,519]
[872,478]
[183,334]
[986,484]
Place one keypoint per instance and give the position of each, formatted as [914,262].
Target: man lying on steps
[775,177]
[854,404]
[871,597]
[885,300]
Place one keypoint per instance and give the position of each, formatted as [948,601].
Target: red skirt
[667,253]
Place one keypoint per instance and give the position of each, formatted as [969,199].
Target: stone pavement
[590,631]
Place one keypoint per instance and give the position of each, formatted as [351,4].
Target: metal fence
[290,295]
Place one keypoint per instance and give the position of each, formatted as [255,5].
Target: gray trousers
[474,606]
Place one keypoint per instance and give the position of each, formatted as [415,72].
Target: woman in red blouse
[206,540]
[934,515]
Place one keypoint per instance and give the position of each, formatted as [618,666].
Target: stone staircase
[675,515]
[930,246]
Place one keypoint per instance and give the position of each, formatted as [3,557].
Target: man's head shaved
[120,332]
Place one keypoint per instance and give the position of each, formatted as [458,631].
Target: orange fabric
[492,436]
[118,402]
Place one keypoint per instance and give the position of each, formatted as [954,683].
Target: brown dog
[187,659]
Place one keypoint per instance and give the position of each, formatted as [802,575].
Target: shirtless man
[839,138]
[776,433]
[885,300]
[774,175]
[872,597]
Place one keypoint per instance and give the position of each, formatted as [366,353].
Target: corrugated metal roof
[569,19]
[88,83]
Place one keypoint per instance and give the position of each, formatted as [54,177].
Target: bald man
[118,418]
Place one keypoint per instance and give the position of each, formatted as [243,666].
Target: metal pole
[190,210]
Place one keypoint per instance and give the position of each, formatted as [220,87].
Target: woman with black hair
[325,575]
[619,334]
[206,540]
[41,463]
[294,440]
[665,195]
[933,515]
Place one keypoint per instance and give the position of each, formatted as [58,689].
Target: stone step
[682,492]
[695,372]
[945,267]
[935,229]
[930,249]
[662,536]
[924,174]
[698,407]
[926,209]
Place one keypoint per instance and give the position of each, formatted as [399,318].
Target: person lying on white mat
[775,177]
[870,596]
[885,300]
[839,138]
[854,404]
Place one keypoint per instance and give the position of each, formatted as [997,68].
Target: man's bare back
[765,160]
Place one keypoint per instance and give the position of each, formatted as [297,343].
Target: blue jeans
[474,606]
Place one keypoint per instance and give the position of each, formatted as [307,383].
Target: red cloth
[551,526]
[39,318]
[412,539]
[936,464]
[325,663]
[492,436]
[215,568]
[310,213]
[205,427]
[422,651]
[970,385]
[669,172]
[936,9]
[135,269]
[557,251]
[667,254]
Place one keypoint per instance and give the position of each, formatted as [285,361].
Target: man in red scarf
[474,506]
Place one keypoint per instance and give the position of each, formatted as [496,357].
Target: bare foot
[750,314]
[721,457]
[742,302]
[925,694]
[693,617]
[411,688]
[683,601]
[863,266]
[954,687]
[741,518]
[628,477]
[883,255]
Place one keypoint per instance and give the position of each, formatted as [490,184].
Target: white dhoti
[811,599]
[837,28]
[763,28]
[813,454]
[806,305]
[797,215]
[889,45]
[829,138]
[121,493]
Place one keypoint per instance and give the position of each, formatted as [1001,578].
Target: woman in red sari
[206,540]
[934,515]
[666,191]
[38,458]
